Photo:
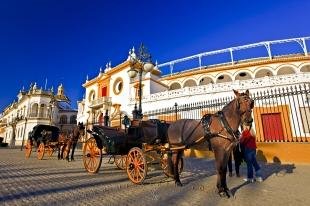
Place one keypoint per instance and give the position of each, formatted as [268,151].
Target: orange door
[272,127]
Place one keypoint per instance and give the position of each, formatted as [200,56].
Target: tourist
[248,141]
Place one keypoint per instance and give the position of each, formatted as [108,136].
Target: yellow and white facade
[35,106]
[114,91]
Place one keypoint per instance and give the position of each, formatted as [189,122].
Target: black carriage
[46,138]
[143,143]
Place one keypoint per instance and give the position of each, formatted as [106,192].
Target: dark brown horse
[219,129]
[71,141]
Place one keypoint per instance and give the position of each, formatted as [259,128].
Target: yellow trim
[283,152]
[118,68]
[90,82]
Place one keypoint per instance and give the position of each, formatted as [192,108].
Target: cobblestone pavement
[57,182]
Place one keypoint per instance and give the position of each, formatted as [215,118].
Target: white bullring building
[113,90]
[277,73]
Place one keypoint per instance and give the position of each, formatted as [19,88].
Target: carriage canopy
[44,132]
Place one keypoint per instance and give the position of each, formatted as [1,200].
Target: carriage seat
[112,138]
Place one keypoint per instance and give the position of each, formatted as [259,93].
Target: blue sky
[65,40]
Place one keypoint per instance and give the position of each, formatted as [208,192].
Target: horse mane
[230,105]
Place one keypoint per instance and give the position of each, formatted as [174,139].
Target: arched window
[243,76]
[34,110]
[205,81]
[223,78]
[63,119]
[42,110]
[286,70]
[174,86]
[305,68]
[92,95]
[73,119]
[263,73]
[190,83]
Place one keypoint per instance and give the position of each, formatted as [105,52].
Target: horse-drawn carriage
[47,139]
[142,144]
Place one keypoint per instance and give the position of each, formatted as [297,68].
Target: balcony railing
[100,102]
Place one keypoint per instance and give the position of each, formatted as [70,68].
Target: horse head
[81,129]
[245,105]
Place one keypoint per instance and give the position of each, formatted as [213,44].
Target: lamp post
[142,62]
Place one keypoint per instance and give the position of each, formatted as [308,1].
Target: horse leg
[59,148]
[73,149]
[67,147]
[176,156]
[237,159]
[230,165]
[63,147]
[221,157]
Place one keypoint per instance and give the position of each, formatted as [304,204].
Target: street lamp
[142,62]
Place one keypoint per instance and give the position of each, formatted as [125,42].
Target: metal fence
[280,114]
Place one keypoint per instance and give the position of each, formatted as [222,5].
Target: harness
[206,121]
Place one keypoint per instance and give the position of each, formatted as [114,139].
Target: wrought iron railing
[280,114]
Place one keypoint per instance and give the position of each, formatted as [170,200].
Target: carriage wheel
[40,151]
[28,149]
[164,165]
[136,165]
[92,156]
[50,151]
[120,161]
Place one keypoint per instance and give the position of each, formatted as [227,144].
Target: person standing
[248,141]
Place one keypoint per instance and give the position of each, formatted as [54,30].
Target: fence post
[176,111]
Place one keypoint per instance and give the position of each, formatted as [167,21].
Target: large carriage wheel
[120,161]
[136,165]
[40,151]
[92,156]
[164,165]
[50,151]
[28,149]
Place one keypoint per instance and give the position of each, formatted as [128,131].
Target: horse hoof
[224,194]
[178,184]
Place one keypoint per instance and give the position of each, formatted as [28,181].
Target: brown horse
[219,129]
[74,136]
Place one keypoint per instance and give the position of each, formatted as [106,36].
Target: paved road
[53,182]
